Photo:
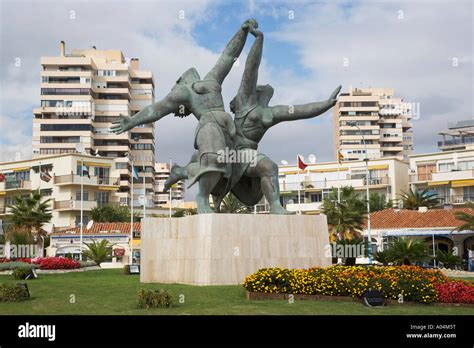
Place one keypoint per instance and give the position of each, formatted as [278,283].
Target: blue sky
[302,58]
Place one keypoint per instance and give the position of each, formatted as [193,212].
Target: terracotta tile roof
[102,228]
[403,218]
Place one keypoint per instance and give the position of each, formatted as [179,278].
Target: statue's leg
[207,182]
[267,170]
[178,173]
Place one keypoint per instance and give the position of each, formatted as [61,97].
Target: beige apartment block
[450,174]
[387,176]
[82,93]
[372,119]
[62,184]
[162,173]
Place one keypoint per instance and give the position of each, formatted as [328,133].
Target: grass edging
[276,296]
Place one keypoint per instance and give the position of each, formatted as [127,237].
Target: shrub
[154,299]
[413,283]
[6,266]
[56,263]
[448,259]
[13,293]
[21,273]
[126,269]
[455,291]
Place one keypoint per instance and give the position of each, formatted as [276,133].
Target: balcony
[304,207]
[15,185]
[74,179]
[453,175]
[327,184]
[68,205]
[456,143]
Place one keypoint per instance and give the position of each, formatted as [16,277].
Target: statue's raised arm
[231,52]
[282,113]
[171,103]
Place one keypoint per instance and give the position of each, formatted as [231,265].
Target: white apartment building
[162,173]
[387,176]
[448,173]
[372,120]
[64,185]
[82,93]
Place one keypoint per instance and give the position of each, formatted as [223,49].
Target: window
[66,127]
[466,165]
[85,195]
[446,167]
[46,192]
[316,197]
[85,220]
[101,197]
[102,172]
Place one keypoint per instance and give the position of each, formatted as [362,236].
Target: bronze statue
[203,99]
[258,176]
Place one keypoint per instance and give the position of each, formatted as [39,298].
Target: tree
[468,219]
[406,251]
[181,212]
[113,213]
[448,259]
[231,205]
[29,214]
[414,199]
[98,251]
[345,218]
[378,202]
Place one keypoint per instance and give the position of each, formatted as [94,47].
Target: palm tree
[448,259]
[29,214]
[112,213]
[98,251]
[468,219]
[405,251]
[414,199]
[345,217]
[231,205]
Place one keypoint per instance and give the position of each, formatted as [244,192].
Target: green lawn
[111,292]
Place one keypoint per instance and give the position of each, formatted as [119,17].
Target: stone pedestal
[222,249]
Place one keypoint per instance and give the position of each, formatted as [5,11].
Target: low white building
[67,242]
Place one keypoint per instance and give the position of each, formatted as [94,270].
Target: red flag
[2,177]
[301,164]
[340,157]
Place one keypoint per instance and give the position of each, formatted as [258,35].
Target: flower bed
[409,283]
[455,291]
[50,263]
[56,263]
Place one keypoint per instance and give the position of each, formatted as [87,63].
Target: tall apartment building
[372,120]
[82,93]
[162,173]
[459,136]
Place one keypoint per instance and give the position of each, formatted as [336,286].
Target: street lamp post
[366,160]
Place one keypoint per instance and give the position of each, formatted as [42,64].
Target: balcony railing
[327,184]
[421,177]
[18,184]
[93,180]
[75,204]
[455,199]
[460,141]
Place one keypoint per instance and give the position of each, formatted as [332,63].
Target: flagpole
[82,211]
[299,184]
[171,188]
[130,259]
[338,177]
[144,188]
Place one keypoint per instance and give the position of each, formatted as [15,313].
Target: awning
[136,242]
[289,173]
[423,232]
[462,183]
[380,166]
[2,193]
[21,169]
[438,183]
[104,188]
[328,170]
[97,164]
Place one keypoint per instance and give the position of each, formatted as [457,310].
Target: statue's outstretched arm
[282,113]
[248,85]
[231,53]
[176,99]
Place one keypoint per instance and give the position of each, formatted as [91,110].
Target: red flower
[455,291]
